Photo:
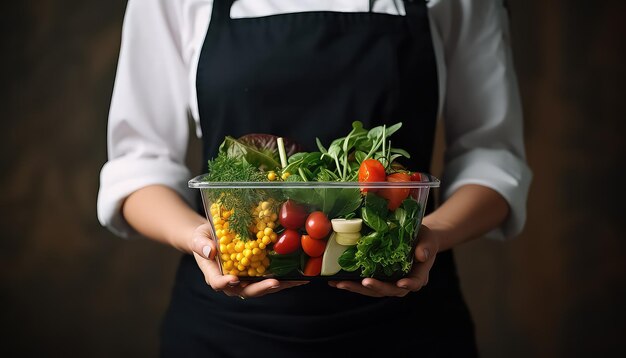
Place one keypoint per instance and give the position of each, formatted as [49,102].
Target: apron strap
[221,11]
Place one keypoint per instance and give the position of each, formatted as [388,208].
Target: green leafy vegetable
[264,159]
[387,249]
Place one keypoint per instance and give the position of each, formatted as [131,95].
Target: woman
[306,69]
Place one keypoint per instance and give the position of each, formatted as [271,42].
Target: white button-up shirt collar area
[154,94]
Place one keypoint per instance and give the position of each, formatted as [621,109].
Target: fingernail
[275,287]
[368,285]
[404,286]
[233,283]
[426,253]
[206,251]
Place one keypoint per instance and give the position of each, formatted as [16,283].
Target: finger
[265,287]
[356,287]
[418,277]
[213,276]
[427,245]
[202,242]
[384,288]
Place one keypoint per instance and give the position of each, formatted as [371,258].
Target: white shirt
[155,92]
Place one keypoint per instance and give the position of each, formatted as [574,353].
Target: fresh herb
[228,169]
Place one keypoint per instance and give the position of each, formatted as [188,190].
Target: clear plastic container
[268,229]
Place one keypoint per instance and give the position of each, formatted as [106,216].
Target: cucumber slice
[347,225]
[347,239]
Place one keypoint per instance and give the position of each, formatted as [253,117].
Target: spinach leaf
[377,204]
[373,220]
[348,261]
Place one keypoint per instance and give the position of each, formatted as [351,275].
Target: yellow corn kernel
[230,247]
[226,215]
[255,258]
[239,246]
[273,217]
[218,226]
[225,257]
[218,220]
[261,246]
[241,267]
[245,261]
[266,261]
[255,264]
[223,248]
[261,226]
[266,240]
[268,231]
[233,257]
[260,269]
[256,251]
[259,235]
[271,176]
[234,272]
[248,252]
[228,265]
[251,272]
[265,205]
[254,244]
[271,225]
[274,238]
[285,175]
[238,256]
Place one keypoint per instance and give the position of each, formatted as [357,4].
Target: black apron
[302,76]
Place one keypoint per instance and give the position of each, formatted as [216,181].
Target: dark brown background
[70,287]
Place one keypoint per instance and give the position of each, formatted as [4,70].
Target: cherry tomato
[371,170]
[416,176]
[395,196]
[292,215]
[288,242]
[313,267]
[317,225]
[313,247]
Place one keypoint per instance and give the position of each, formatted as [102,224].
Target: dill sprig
[241,201]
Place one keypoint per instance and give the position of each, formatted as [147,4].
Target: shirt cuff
[120,178]
[496,169]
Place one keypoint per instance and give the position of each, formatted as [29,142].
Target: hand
[204,250]
[425,252]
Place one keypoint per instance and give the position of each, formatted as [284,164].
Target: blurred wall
[71,288]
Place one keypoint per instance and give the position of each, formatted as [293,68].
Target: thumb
[427,244]
[202,242]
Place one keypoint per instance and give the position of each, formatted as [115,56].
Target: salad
[346,211]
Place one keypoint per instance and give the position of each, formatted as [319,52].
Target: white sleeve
[147,128]
[482,110]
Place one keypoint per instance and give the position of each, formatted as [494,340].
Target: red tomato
[317,225]
[313,267]
[395,196]
[371,170]
[416,176]
[292,215]
[313,247]
[288,242]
